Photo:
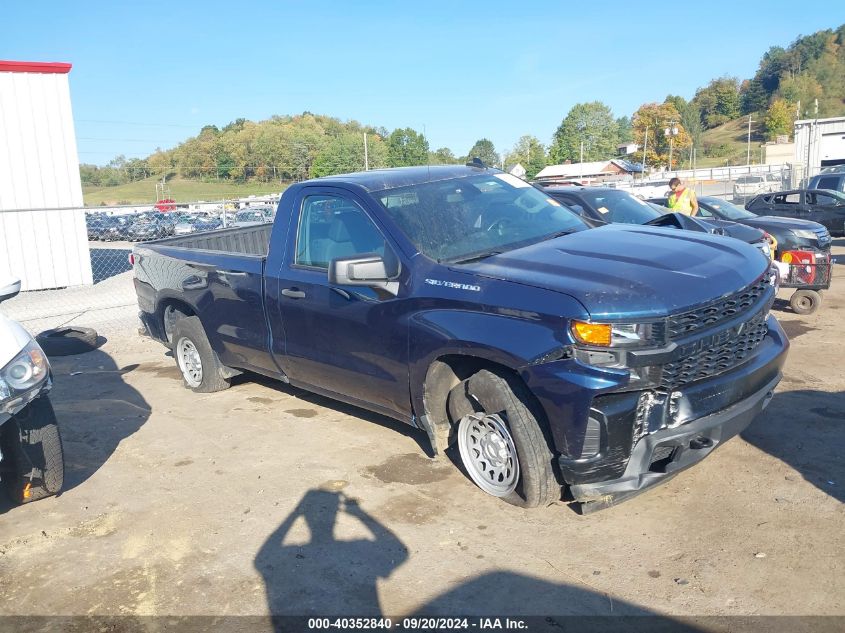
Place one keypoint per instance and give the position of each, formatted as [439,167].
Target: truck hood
[631,272]
[765,221]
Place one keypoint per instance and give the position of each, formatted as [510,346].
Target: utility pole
[645,149]
[671,132]
[748,158]
[366,155]
[582,160]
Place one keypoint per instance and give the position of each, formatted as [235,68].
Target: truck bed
[248,240]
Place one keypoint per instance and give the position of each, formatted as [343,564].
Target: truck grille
[718,358]
[713,313]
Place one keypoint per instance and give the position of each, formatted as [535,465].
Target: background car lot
[266,497]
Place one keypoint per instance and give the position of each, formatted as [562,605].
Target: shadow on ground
[418,435]
[308,571]
[96,411]
[804,429]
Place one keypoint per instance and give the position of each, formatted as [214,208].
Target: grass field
[144,191]
[734,136]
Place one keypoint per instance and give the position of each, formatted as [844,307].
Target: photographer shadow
[325,576]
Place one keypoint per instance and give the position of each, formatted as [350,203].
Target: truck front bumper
[614,442]
[660,455]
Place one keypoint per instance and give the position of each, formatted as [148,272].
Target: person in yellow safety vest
[682,199]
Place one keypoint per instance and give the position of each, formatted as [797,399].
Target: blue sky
[150,74]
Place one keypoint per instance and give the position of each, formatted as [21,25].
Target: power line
[136,123]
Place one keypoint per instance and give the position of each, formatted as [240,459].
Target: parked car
[649,189]
[788,233]
[831,178]
[464,302]
[817,205]
[149,227]
[608,206]
[196,225]
[31,453]
[746,187]
[801,248]
[107,228]
[252,217]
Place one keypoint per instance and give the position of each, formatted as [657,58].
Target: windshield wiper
[472,258]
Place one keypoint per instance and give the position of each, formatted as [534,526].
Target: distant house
[601,170]
[626,149]
[518,171]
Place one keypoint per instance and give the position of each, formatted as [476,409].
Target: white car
[746,187]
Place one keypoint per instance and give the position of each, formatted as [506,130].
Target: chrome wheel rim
[488,453]
[189,362]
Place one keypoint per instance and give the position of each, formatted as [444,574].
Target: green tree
[486,151]
[779,118]
[407,147]
[718,102]
[626,130]
[528,152]
[591,123]
[655,119]
[442,156]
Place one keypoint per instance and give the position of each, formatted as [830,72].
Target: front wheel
[501,444]
[33,447]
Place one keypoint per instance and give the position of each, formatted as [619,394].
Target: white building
[819,143]
[43,238]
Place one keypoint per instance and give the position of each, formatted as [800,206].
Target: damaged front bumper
[660,455]
[614,442]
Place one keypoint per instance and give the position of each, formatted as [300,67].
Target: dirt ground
[264,499]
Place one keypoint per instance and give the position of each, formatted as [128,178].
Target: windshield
[749,180]
[619,206]
[724,209]
[462,218]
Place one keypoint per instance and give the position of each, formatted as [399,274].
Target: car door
[825,209]
[786,205]
[346,340]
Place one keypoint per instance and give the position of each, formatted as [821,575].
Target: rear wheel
[501,444]
[33,447]
[805,301]
[201,370]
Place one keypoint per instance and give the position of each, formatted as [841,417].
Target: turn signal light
[592,333]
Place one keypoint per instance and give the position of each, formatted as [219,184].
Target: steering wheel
[499,225]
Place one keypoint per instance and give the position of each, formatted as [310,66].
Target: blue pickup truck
[460,300]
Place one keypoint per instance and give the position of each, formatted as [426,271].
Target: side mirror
[370,270]
[9,288]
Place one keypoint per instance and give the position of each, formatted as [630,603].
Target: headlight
[805,234]
[27,369]
[613,334]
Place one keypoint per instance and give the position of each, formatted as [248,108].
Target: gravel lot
[264,499]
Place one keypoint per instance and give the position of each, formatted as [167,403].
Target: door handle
[294,293]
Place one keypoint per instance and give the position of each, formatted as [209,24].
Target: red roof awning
[53,68]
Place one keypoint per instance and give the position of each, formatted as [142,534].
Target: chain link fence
[105,299]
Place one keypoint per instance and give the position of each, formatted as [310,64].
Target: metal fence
[106,300]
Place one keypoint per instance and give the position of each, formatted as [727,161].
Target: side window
[704,213]
[331,227]
[828,182]
[821,199]
[792,198]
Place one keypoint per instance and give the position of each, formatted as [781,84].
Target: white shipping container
[43,238]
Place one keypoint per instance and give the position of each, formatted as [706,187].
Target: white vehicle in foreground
[31,454]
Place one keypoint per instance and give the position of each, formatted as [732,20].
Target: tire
[66,341]
[33,445]
[805,301]
[479,407]
[201,369]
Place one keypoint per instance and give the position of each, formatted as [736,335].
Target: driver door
[344,340]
